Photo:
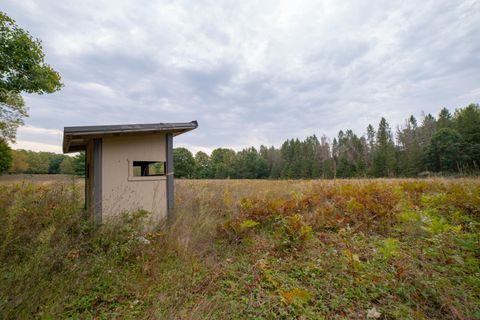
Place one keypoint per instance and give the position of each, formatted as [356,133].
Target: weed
[389,248]
[294,233]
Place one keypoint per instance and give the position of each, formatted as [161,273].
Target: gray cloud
[251,73]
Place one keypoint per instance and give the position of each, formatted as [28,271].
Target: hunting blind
[128,167]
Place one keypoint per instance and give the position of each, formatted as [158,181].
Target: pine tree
[444,119]
[467,123]
[384,156]
[445,152]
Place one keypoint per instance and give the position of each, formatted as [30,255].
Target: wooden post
[170,197]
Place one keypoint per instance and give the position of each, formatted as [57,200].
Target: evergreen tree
[79,164]
[297,169]
[467,123]
[444,119]
[54,163]
[384,156]
[350,155]
[445,152]
[286,153]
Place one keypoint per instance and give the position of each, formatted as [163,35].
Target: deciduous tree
[22,69]
[66,167]
[183,163]
[222,161]
[5,156]
[202,166]
[249,164]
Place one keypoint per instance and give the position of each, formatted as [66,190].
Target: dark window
[148,168]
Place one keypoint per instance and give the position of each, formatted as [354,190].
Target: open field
[345,249]
[39,179]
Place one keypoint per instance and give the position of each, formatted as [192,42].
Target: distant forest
[447,144]
[32,162]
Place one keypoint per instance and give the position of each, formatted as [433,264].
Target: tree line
[31,162]
[448,144]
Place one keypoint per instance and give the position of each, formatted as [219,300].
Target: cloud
[42,131]
[251,72]
[37,146]
[39,139]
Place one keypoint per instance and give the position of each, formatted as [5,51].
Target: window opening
[148,168]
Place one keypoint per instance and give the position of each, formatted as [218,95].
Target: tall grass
[248,249]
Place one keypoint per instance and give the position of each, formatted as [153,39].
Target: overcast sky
[251,72]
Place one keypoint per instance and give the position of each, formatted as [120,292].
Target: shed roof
[76,138]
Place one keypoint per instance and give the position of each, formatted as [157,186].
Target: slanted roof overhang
[76,138]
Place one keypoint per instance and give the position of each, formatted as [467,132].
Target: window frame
[131,176]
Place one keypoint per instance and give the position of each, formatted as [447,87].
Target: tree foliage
[409,150]
[184,163]
[5,157]
[24,161]
[445,152]
[250,164]
[202,165]
[467,123]
[222,163]
[384,152]
[22,69]
[66,166]
[79,164]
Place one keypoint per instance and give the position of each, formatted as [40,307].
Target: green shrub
[294,233]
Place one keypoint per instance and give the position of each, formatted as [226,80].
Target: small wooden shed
[128,167]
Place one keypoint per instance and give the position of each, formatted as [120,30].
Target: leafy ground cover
[345,249]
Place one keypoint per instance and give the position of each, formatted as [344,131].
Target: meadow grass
[248,249]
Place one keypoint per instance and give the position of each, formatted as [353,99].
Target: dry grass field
[247,249]
[39,179]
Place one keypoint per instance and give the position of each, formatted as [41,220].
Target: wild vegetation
[378,249]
